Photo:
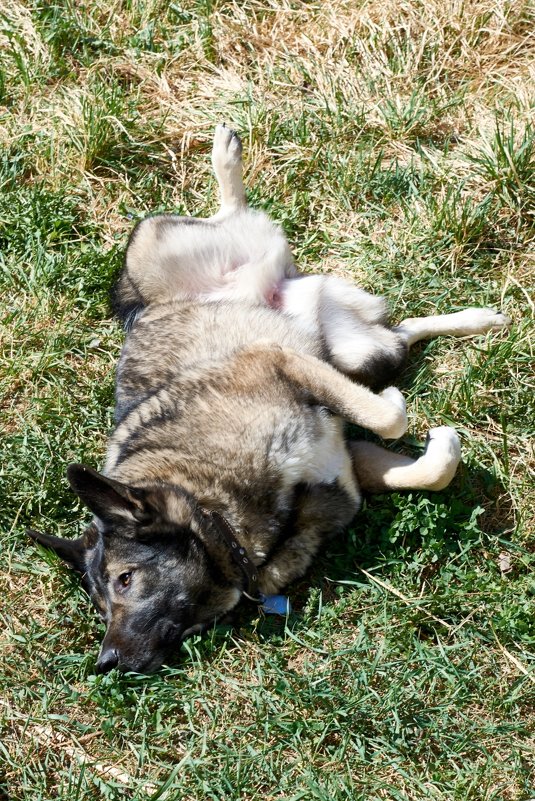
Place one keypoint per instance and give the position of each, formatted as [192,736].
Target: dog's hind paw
[491,320]
[227,148]
[481,320]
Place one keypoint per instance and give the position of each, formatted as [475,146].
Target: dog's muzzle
[107,660]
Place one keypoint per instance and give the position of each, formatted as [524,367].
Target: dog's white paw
[227,148]
[488,320]
[442,455]
[393,395]
[399,425]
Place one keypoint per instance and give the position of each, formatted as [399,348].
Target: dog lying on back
[229,465]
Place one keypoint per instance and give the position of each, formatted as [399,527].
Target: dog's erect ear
[71,551]
[109,500]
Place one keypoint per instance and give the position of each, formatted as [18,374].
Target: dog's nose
[108,660]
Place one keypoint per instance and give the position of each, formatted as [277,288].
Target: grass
[395,143]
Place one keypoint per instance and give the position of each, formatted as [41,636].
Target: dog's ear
[109,500]
[71,551]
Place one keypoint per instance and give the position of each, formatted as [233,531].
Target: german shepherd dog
[229,465]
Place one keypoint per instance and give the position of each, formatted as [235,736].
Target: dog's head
[154,565]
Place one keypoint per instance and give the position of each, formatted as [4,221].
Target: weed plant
[395,144]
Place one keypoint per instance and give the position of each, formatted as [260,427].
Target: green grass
[395,144]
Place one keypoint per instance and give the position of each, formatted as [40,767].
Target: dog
[229,465]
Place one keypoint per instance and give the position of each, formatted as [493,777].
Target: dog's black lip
[144,668]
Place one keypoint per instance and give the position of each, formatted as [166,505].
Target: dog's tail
[126,300]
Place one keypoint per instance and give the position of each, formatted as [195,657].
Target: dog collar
[239,555]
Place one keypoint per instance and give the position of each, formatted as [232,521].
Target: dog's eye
[125,579]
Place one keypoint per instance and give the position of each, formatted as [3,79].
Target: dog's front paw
[397,427]
[227,149]
[442,456]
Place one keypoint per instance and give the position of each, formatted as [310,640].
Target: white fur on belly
[321,459]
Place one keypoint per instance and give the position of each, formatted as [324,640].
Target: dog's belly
[321,458]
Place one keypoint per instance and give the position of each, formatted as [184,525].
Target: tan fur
[233,388]
[241,341]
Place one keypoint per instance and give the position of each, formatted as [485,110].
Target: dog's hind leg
[379,470]
[352,323]
[227,164]
[468,322]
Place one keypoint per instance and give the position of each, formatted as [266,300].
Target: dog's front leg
[384,414]
[379,470]
[227,164]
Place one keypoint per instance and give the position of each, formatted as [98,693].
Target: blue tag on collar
[276,605]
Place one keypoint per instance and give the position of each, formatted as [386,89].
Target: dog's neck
[237,552]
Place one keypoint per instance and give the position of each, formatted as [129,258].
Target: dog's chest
[315,454]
